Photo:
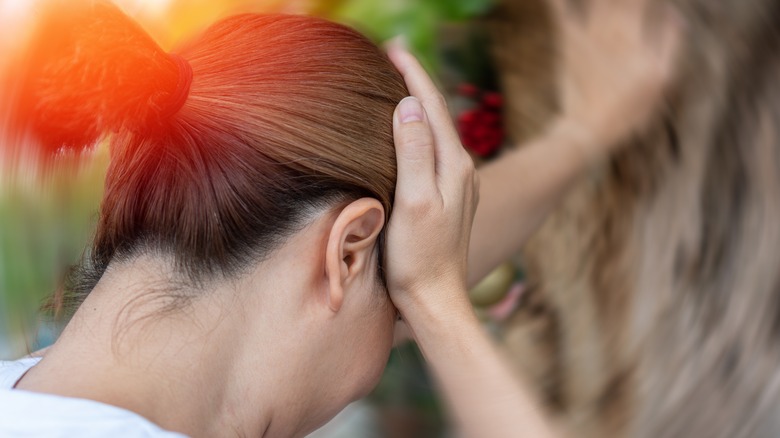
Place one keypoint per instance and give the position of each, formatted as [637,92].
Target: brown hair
[285,114]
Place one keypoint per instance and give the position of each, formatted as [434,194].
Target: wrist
[585,140]
[432,318]
[578,138]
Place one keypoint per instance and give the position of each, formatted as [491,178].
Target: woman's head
[285,115]
[287,118]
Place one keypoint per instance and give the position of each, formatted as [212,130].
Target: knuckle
[418,203]
[466,169]
[467,175]
[466,157]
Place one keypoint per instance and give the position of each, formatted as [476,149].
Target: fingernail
[410,110]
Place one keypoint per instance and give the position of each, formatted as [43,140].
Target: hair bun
[175,100]
[90,69]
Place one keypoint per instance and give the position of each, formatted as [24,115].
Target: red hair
[285,115]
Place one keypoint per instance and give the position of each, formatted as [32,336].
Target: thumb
[414,152]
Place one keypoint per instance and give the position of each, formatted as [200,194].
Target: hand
[435,200]
[427,246]
[614,65]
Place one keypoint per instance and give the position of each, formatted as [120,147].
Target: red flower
[480,128]
[467,90]
[492,100]
[469,116]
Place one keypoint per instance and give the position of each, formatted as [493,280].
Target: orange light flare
[16,25]
[169,22]
[172,21]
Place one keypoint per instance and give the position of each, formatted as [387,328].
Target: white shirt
[33,414]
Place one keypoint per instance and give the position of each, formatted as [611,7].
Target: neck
[185,369]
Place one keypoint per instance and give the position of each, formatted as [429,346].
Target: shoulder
[32,414]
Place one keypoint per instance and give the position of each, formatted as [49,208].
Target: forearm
[519,190]
[486,399]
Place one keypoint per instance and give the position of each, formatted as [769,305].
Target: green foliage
[417,20]
[45,227]
[407,384]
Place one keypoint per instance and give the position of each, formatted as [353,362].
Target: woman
[234,284]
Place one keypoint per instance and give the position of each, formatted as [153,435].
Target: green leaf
[458,10]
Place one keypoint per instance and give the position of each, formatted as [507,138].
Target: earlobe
[350,247]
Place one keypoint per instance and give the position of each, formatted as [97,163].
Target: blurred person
[615,66]
[241,280]
[653,289]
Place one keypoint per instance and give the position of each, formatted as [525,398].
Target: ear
[350,247]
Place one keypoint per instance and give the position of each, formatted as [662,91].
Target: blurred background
[47,214]
[648,303]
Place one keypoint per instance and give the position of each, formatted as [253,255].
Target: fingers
[417,80]
[451,164]
[421,86]
[414,148]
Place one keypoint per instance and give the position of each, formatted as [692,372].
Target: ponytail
[91,70]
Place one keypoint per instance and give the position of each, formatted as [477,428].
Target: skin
[315,328]
[614,68]
[315,331]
